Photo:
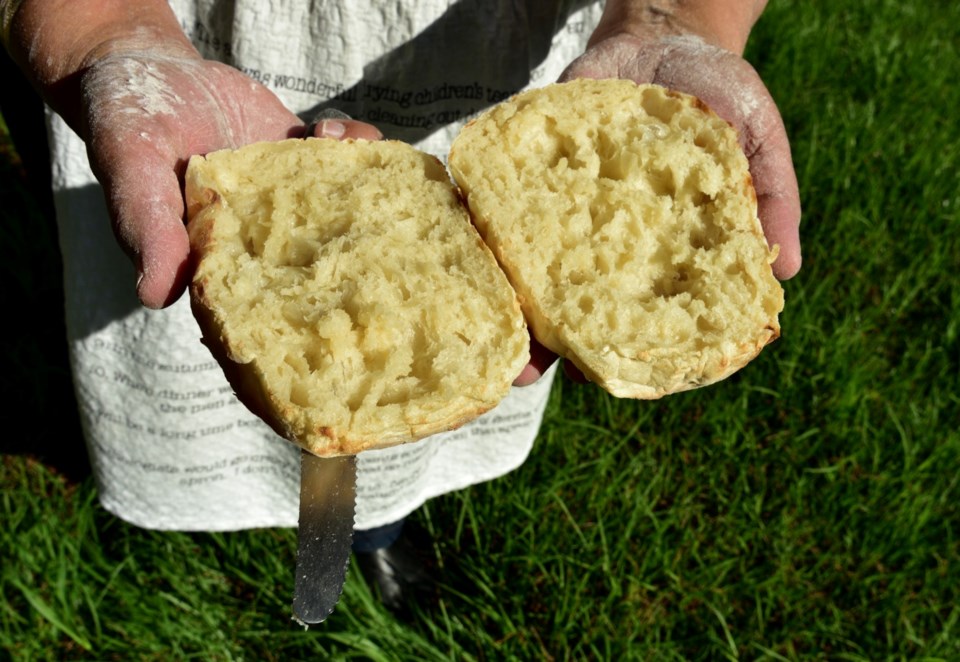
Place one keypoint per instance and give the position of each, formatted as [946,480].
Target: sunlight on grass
[806,508]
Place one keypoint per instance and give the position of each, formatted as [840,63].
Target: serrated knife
[328,495]
[328,489]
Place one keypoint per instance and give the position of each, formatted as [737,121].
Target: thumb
[740,97]
[146,207]
[778,197]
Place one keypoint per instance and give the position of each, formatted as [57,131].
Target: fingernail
[140,289]
[332,129]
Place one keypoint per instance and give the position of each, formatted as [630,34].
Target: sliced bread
[625,218]
[345,292]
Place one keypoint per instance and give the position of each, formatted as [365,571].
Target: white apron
[170,445]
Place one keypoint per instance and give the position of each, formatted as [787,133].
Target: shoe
[400,574]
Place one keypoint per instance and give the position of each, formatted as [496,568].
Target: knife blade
[328,492]
[328,488]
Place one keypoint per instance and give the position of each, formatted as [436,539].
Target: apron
[170,445]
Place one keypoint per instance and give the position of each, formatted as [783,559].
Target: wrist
[723,23]
[53,58]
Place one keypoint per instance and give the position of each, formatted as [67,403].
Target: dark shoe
[400,573]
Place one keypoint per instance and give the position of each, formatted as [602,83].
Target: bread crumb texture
[625,217]
[345,291]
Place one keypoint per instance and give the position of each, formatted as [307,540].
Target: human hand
[732,88]
[143,115]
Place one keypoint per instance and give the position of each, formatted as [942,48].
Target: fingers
[529,375]
[541,359]
[734,90]
[616,58]
[778,196]
[163,267]
[748,106]
[346,129]
[146,208]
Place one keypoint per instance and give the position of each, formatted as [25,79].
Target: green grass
[807,508]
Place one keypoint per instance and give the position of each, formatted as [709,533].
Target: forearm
[54,41]
[723,23]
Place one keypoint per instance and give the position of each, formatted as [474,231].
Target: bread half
[345,292]
[626,220]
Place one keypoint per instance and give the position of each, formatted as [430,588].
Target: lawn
[804,509]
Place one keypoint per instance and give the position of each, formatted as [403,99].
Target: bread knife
[328,493]
[328,488]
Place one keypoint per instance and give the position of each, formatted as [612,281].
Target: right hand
[142,116]
[733,89]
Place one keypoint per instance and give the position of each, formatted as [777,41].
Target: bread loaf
[346,294]
[625,217]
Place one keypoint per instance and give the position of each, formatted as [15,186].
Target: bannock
[345,292]
[625,218]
